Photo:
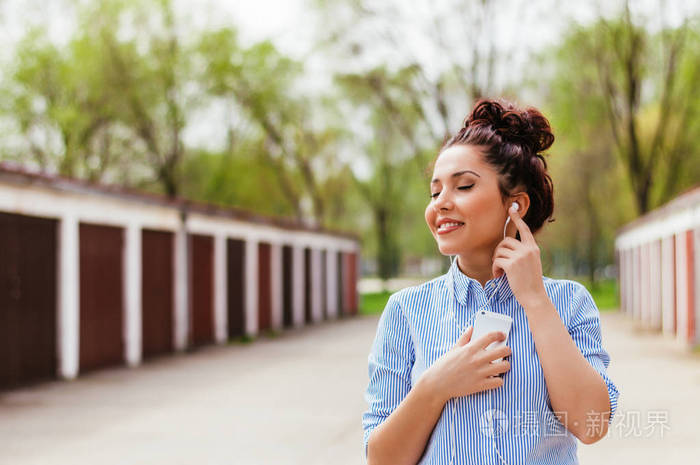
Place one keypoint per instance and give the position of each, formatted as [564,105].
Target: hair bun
[528,128]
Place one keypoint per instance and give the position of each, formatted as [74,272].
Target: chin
[448,249]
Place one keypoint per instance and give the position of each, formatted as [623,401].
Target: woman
[434,395]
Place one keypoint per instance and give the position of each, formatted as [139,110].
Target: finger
[465,337]
[503,253]
[490,383]
[486,339]
[498,266]
[495,353]
[523,229]
[509,243]
[494,369]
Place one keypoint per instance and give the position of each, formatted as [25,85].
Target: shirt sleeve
[389,367]
[585,331]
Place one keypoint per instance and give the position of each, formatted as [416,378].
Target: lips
[448,225]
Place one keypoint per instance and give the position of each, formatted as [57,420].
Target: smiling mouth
[448,227]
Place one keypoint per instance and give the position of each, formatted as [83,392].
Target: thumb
[465,337]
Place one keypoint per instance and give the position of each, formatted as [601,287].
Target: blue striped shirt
[513,424]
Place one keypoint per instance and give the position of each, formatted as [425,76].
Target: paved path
[297,399]
[655,377]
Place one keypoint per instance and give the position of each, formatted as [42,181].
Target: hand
[466,368]
[521,262]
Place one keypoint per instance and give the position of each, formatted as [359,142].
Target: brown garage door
[287,304]
[236,287]
[264,288]
[157,292]
[340,285]
[27,299]
[201,289]
[101,306]
[307,285]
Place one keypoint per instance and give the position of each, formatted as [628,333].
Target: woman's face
[465,213]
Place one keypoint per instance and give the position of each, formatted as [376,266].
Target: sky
[290,25]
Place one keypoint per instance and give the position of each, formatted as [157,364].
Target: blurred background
[328,113]
[320,100]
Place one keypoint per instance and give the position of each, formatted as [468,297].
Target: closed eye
[462,188]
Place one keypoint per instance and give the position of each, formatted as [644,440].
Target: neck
[478,266]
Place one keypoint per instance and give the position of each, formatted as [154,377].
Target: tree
[111,97]
[650,129]
[152,73]
[61,107]
[415,101]
[261,82]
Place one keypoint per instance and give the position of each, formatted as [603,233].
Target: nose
[442,202]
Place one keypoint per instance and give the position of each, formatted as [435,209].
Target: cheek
[478,212]
[429,216]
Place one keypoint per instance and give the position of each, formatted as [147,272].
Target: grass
[244,339]
[604,294]
[373,303]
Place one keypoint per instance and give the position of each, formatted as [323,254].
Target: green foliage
[373,303]
[235,179]
[604,293]
[116,100]
[614,158]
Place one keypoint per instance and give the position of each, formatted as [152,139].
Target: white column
[655,281]
[132,294]
[621,273]
[696,284]
[276,285]
[332,283]
[668,282]
[181,291]
[220,290]
[630,281]
[632,287]
[622,276]
[298,285]
[681,288]
[636,314]
[645,286]
[69,298]
[316,291]
[251,286]
[696,272]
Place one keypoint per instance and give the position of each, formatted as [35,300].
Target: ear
[523,201]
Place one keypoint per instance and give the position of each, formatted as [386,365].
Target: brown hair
[512,140]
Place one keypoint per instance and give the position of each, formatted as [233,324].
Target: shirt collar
[464,285]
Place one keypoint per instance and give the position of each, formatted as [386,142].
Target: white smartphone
[486,321]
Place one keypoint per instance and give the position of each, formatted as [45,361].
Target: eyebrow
[454,175]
